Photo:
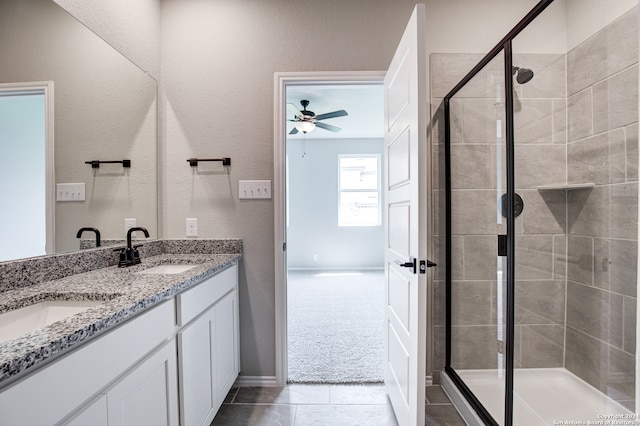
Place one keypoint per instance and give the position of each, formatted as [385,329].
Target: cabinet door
[225,345]
[197,398]
[147,395]
[95,414]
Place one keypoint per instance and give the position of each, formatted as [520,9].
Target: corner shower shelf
[566,186]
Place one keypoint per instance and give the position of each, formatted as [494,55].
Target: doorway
[324,260]
[26,169]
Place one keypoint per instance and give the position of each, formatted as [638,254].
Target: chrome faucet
[81,230]
[129,256]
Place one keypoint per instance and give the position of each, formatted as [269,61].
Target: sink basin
[167,268]
[20,321]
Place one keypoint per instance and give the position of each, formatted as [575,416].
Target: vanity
[155,343]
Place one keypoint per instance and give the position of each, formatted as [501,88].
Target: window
[359,190]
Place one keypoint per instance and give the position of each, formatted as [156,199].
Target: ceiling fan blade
[294,110]
[328,127]
[333,114]
[293,131]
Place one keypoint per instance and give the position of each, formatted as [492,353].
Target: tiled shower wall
[602,148]
[576,249]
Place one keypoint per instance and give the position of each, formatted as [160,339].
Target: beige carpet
[335,326]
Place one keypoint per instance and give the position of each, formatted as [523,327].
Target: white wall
[132,27]
[587,17]
[313,209]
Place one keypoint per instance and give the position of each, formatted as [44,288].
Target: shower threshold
[542,396]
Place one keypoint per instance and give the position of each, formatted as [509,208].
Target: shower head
[523,75]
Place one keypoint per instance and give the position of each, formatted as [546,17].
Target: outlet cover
[129,223]
[192,227]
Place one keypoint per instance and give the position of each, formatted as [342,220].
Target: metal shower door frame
[505,46]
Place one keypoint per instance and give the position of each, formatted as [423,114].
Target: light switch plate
[255,189]
[70,192]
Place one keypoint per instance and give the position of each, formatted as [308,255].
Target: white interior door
[405,287]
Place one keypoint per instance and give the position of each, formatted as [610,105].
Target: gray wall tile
[473,303]
[538,165]
[632,152]
[549,79]
[544,211]
[630,306]
[473,167]
[533,120]
[580,115]
[615,101]
[540,302]
[609,51]
[595,312]
[599,159]
[447,69]
[580,259]
[614,265]
[480,257]
[534,257]
[474,347]
[541,346]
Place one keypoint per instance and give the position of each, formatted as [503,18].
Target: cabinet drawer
[196,300]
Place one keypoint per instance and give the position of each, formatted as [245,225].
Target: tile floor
[324,405]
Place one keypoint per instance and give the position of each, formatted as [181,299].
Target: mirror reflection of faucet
[81,230]
[129,256]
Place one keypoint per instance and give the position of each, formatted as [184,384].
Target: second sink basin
[167,268]
[15,323]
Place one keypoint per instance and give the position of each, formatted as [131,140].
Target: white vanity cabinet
[146,395]
[170,365]
[208,346]
[115,371]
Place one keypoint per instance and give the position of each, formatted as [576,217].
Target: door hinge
[284,246]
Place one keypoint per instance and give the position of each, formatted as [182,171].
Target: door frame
[46,88]
[281,81]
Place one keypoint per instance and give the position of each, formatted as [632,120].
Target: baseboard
[260,381]
[338,269]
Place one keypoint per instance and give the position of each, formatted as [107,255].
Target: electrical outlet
[192,227]
[129,223]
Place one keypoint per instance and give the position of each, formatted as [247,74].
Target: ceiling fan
[305,120]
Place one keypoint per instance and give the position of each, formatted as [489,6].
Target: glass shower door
[478,283]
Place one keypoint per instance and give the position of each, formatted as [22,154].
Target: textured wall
[131,27]
[218,64]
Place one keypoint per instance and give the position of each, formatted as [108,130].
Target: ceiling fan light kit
[306,120]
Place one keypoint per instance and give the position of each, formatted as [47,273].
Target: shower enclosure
[541,231]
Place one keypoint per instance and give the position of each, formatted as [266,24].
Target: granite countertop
[124,292]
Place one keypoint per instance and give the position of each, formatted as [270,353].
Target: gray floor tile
[443,415]
[255,415]
[435,395]
[291,394]
[359,394]
[345,415]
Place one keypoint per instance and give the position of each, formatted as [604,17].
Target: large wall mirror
[105,108]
